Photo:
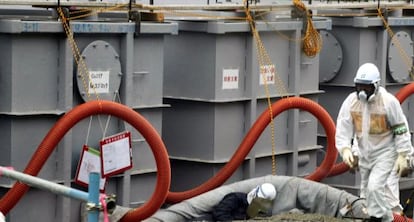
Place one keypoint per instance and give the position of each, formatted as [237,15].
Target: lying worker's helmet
[265,191]
[260,200]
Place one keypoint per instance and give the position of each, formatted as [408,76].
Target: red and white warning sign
[116,154]
[230,78]
[267,74]
[89,162]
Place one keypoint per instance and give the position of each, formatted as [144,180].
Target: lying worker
[242,206]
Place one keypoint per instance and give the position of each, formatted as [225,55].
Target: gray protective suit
[381,130]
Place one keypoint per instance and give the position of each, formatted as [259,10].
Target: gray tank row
[197,81]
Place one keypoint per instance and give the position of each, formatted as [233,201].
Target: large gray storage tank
[215,91]
[39,84]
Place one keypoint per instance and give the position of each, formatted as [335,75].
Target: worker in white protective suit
[375,118]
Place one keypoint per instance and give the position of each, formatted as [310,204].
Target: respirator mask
[366,93]
[362,95]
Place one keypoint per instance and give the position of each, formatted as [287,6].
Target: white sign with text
[267,74]
[230,78]
[98,82]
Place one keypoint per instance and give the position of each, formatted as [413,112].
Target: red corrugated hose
[252,136]
[65,123]
[157,146]
[399,218]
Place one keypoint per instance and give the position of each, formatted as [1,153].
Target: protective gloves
[349,158]
[402,165]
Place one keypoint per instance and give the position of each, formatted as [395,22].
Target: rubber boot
[375,219]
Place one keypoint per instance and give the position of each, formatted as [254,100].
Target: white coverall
[378,145]
[392,188]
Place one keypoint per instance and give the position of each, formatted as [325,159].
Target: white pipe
[44,184]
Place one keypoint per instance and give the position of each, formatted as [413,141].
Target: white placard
[89,162]
[230,78]
[98,82]
[267,72]
[116,154]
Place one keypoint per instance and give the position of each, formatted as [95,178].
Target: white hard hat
[367,73]
[265,190]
